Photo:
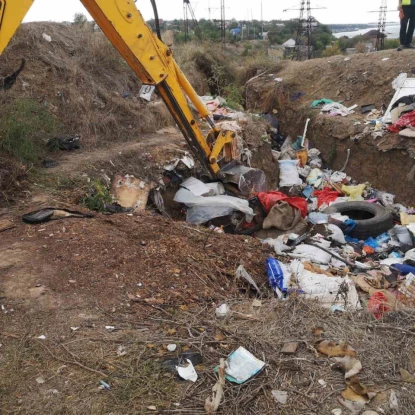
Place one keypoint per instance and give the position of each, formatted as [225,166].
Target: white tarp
[404,86]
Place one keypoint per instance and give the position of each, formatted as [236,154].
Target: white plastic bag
[288,173]
[324,288]
[197,187]
[203,209]
[337,234]
[311,253]
[277,244]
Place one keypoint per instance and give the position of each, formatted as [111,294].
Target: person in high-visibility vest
[407,14]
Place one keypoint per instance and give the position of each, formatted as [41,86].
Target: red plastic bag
[407,120]
[269,199]
[326,196]
[378,305]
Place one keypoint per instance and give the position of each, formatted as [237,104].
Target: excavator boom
[153,62]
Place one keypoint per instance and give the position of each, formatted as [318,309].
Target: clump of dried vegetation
[82,81]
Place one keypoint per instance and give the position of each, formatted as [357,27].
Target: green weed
[98,196]
[233,95]
[25,125]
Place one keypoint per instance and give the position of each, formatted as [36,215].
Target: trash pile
[399,117]
[343,243]
[219,111]
[401,110]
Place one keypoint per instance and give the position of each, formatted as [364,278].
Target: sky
[345,11]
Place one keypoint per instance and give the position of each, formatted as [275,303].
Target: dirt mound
[106,251]
[83,81]
[359,79]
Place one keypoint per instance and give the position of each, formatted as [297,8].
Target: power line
[187,8]
[306,23]
[380,38]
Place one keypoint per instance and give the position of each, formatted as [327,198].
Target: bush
[331,51]
[233,96]
[25,126]
[391,43]
[360,47]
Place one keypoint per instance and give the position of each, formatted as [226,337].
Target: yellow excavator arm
[153,63]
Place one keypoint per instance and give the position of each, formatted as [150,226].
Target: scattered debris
[241,365]
[46,37]
[322,382]
[393,400]
[241,273]
[188,372]
[10,80]
[280,396]
[332,349]
[65,143]
[289,348]
[349,365]
[47,214]
[212,402]
[105,385]
[121,351]
[223,310]
[130,192]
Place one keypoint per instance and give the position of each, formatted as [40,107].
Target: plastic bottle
[278,276]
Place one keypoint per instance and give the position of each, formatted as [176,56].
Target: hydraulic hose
[156,18]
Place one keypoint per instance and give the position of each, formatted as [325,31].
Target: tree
[80,19]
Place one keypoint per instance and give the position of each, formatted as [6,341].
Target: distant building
[236,32]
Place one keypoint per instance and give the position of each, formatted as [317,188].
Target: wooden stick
[73,362]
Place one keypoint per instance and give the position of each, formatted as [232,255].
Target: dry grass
[74,363]
[81,79]
[13,177]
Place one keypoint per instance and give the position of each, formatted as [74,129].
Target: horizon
[355,12]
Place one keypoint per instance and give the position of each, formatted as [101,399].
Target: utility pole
[305,29]
[187,7]
[222,22]
[380,38]
[262,22]
[186,22]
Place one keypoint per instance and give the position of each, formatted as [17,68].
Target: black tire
[371,219]
[38,216]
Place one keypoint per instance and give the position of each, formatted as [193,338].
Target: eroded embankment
[364,79]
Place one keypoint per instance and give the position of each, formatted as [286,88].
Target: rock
[289,348]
